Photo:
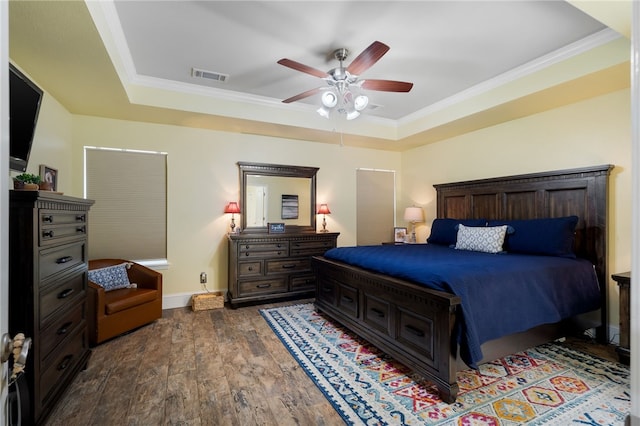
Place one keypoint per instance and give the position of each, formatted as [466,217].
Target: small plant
[28,178]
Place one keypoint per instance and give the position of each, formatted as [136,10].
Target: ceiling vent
[209,75]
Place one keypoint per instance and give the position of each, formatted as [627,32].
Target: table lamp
[413,214]
[324,211]
[232,208]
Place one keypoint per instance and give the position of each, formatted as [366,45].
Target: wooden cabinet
[265,267]
[47,291]
[624,284]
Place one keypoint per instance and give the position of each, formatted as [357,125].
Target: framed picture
[399,234]
[276,228]
[50,176]
[289,206]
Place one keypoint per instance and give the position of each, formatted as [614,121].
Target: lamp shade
[413,214]
[323,209]
[232,207]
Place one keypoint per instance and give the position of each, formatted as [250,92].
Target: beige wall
[593,132]
[203,177]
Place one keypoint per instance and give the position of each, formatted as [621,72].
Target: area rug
[546,385]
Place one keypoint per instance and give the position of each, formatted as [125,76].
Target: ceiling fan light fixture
[360,102]
[324,112]
[352,114]
[329,99]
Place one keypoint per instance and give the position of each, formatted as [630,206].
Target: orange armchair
[111,313]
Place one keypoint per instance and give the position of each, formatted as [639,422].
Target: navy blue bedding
[500,294]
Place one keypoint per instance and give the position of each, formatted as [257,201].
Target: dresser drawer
[54,226]
[61,295]
[304,282]
[327,291]
[248,269]
[262,254]
[269,247]
[61,258]
[60,363]
[254,288]
[288,266]
[310,248]
[65,325]
[56,217]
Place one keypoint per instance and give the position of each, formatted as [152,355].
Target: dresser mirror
[272,193]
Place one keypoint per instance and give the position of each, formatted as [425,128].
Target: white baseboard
[178,300]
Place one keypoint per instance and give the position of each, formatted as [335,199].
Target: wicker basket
[204,301]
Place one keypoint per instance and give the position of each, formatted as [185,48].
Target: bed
[426,318]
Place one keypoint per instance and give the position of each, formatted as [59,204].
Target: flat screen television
[24,106]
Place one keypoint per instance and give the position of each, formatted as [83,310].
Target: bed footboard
[411,323]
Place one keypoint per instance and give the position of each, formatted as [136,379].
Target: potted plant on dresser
[26,182]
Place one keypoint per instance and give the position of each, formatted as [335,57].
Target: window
[129,217]
[375,205]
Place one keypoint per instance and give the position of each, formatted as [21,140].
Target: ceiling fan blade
[367,58]
[302,68]
[302,95]
[387,85]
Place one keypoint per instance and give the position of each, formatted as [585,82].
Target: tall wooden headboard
[582,192]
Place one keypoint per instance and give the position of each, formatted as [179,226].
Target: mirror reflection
[272,193]
[277,199]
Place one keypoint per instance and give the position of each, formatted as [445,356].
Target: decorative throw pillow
[547,236]
[111,277]
[444,231]
[487,239]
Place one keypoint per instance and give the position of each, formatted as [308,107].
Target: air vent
[209,75]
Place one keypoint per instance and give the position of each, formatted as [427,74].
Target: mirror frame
[248,169]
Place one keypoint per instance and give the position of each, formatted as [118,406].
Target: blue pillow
[549,236]
[111,277]
[445,231]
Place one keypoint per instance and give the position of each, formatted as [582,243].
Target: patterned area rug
[549,384]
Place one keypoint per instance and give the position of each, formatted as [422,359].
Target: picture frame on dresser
[50,176]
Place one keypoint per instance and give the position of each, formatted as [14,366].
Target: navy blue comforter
[500,294]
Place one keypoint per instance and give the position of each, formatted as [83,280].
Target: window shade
[375,205]
[129,217]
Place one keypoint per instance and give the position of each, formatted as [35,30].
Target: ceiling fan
[344,87]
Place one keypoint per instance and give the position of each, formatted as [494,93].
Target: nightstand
[624,284]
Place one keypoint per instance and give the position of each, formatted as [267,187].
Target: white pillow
[487,239]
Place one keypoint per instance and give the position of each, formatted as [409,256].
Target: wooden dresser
[274,266]
[47,291]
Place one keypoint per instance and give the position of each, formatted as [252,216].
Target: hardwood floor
[216,367]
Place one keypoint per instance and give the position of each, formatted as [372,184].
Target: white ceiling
[442,47]
[454,52]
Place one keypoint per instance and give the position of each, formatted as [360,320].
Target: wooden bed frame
[414,324]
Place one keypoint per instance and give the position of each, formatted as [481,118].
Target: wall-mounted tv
[24,106]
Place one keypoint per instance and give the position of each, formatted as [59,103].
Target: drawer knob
[250,268]
[47,218]
[288,265]
[47,234]
[65,259]
[378,312]
[65,293]
[81,229]
[247,246]
[347,299]
[246,253]
[411,329]
[263,286]
[64,328]
[81,218]
[65,362]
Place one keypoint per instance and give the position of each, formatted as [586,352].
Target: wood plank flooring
[215,367]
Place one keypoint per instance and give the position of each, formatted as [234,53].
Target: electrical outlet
[203,277]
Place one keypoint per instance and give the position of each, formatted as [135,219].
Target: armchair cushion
[111,277]
[122,299]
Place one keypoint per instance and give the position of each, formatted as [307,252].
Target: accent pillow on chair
[112,277]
